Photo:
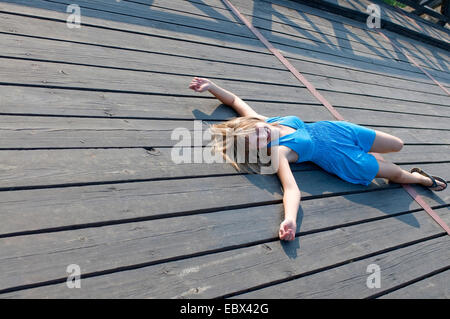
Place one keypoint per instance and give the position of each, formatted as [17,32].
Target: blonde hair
[226,141]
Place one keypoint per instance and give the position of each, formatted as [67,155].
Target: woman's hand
[200,84]
[287,229]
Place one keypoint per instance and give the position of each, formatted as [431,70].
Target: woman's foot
[427,181]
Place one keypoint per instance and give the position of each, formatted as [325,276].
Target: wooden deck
[86,117]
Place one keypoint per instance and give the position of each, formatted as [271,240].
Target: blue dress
[338,147]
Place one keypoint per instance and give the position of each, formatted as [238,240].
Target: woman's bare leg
[396,174]
[385,143]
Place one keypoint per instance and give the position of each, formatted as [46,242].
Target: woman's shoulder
[286,119]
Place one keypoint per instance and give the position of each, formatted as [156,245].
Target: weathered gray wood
[420,153]
[267,15]
[278,18]
[132,38]
[434,287]
[125,9]
[111,202]
[415,136]
[394,17]
[353,36]
[137,9]
[53,167]
[74,166]
[362,76]
[84,77]
[380,103]
[126,224]
[222,273]
[97,13]
[433,168]
[45,101]
[429,56]
[128,244]
[292,51]
[88,34]
[19,169]
[351,87]
[325,23]
[30,48]
[112,38]
[278,26]
[48,132]
[310,55]
[21,132]
[128,24]
[25,47]
[350,281]
[396,118]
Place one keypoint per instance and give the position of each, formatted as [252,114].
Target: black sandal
[433,179]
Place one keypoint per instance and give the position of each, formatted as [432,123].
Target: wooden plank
[364,101]
[144,40]
[321,58]
[337,26]
[420,153]
[351,87]
[55,167]
[274,16]
[322,21]
[150,199]
[397,267]
[405,66]
[350,33]
[136,8]
[147,241]
[23,132]
[30,48]
[236,71]
[45,168]
[426,55]
[135,61]
[85,35]
[417,24]
[363,76]
[130,25]
[125,9]
[35,168]
[418,135]
[48,132]
[45,101]
[434,287]
[399,20]
[286,42]
[374,117]
[269,9]
[277,25]
[56,51]
[222,273]
[83,77]
[434,168]
[156,11]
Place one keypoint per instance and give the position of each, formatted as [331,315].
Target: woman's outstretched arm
[224,96]
[291,199]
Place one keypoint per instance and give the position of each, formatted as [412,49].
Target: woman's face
[261,137]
